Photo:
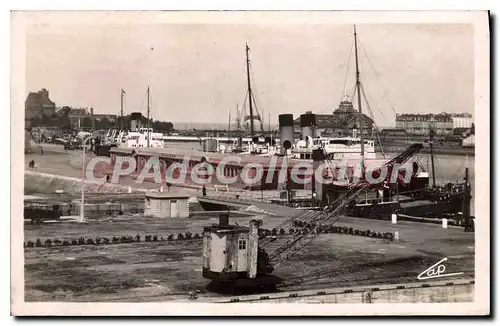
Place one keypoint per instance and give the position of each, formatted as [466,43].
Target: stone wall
[36,182]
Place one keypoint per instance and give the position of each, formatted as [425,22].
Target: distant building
[461,120]
[39,104]
[84,117]
[341,122]
[421,124]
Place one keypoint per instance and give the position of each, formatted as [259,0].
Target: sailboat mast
[229,127]
[148,118]
[237,118]
[431,145]
[360,114]
[122,92]
[250,100]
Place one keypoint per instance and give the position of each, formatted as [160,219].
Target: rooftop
[39,98]
[167,195]
[226,228]
[445,117]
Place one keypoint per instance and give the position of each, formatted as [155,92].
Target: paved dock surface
[129,272]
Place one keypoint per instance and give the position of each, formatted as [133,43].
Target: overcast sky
[197,72]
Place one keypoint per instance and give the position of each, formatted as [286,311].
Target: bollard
[129,189]
[394,218]
[396,236]
[445,223]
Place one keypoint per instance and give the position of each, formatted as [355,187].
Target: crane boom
[331,212]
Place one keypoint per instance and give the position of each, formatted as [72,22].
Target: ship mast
[249,92]
[121,108]
[229,127]
[360,114]
[148,118]
[431,145]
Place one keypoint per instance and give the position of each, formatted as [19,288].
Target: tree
[87,122]
[103,123]
[64,111]
[63,122]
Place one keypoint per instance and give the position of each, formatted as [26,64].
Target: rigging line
[368,105]
[367,100]
[243,111]
[257,108]
[354,92]
[150,106]
[347,70]
[378,79]
[254,89]
[373,117]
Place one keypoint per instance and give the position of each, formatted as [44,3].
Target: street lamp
[82,218]
[314,198]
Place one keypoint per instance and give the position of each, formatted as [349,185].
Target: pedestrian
[204,191]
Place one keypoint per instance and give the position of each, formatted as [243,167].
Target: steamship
[138,136]
[335,148]
[271,164]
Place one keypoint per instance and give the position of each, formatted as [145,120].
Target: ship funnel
[135,121]
[286,131]
[308,125]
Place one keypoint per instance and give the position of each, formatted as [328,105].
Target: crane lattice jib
[309,216]
[333,211]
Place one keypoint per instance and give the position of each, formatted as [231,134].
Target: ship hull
[276,172]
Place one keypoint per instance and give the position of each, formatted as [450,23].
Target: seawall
[37,182]
[420,292]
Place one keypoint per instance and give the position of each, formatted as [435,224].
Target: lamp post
[82,208]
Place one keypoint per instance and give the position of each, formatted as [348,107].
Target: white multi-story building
[420,124]
[461,120]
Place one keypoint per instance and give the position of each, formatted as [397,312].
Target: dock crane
[236,254]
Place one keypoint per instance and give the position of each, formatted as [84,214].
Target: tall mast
[360,114]
[229,127]
[121,108]
[237,118]
[249,92]
[148,118]
[431,145]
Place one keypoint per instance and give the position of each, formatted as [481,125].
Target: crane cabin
[231,252]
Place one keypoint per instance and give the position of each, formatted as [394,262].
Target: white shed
[166,205]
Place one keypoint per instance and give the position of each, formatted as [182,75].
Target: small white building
[166,205]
